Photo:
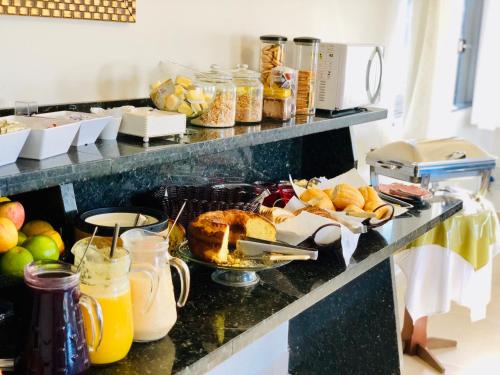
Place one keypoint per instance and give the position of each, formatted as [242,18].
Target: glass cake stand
[238,275]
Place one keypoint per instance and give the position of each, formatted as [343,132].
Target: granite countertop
[127,153]
[218,321]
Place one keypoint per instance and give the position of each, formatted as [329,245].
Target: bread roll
[317,198]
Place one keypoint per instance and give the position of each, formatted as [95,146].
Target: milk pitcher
[153,302]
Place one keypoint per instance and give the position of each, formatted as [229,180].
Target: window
[467,53]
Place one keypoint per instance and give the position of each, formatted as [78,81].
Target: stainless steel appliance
[429,161]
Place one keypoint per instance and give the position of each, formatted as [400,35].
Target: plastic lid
[274,38]
[306,40]
[242,71]
[215,74]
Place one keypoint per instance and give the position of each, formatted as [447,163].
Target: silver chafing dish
[426,161]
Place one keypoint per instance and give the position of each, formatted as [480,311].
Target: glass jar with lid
[249,95]
[216,96]
[272,54]
[280,95]
[306,63]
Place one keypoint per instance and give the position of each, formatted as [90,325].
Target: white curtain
[435,29]
[486,90]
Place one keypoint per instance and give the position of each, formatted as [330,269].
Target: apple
[8,234]
[13,211]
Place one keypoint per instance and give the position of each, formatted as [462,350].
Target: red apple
[13,211]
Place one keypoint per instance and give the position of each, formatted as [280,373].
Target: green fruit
[42,247]
[13,261]
[21,237]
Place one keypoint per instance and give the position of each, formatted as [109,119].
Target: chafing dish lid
[425,151]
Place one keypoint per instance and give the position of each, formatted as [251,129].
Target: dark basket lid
[306,39]
[274,38]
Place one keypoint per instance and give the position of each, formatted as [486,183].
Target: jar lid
[215,74]
[274,38]
[306,40]
[242,71]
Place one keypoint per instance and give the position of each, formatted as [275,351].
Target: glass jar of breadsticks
[249,95]
[306,62]
[272,54]
[216,97]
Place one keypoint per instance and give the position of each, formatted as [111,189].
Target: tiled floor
[478,351]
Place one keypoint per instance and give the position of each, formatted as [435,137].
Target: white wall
[57,61]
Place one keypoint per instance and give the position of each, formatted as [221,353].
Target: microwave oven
[349,76]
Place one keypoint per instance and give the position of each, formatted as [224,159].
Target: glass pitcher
[154,306]
[106,279]
[56,341]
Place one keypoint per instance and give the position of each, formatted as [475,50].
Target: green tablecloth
[470,235]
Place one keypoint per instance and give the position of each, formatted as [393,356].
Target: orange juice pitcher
[153,302]
[106,280]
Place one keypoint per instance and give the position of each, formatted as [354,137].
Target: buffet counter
[218,321]
[323,316]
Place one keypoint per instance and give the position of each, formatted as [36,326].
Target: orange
[34,227]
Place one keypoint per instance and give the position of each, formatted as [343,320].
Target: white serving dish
[149,123]
[11,145]
[44,139]
[111,130]
[91,125]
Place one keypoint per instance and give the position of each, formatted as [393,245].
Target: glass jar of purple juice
[56,342]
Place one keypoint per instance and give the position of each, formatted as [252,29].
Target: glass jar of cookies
[272,54]
[249,95]
[306,63]
[217,99]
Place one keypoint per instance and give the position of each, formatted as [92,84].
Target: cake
[212,234]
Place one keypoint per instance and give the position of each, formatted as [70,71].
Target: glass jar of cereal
[217,98]
[249,95]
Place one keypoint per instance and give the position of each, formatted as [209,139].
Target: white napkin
[299,228]
[294,204]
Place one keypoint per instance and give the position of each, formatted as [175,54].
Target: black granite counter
[219,321]
[107,158]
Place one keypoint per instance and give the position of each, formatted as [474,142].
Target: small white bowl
[111,130]
[48,137]
[91,125]
[11,145]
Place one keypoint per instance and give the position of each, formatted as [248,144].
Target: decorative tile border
[97,10]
